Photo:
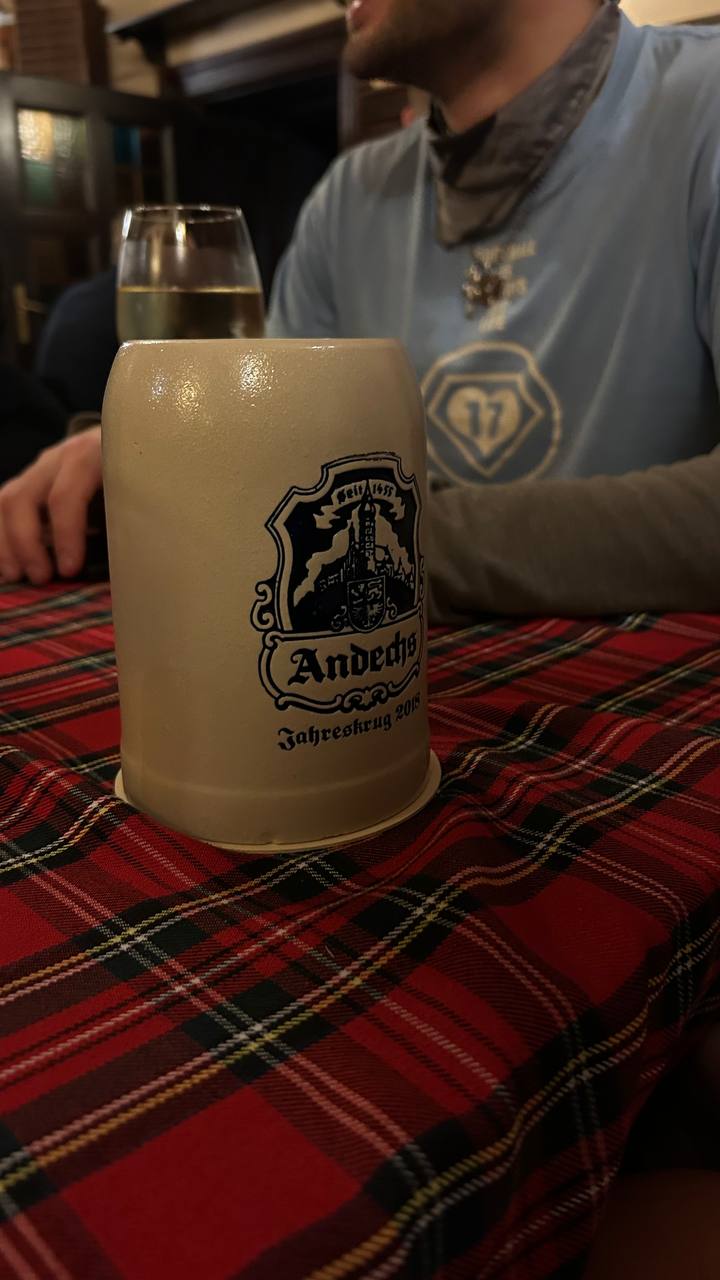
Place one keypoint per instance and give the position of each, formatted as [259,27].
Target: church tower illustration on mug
[366,571]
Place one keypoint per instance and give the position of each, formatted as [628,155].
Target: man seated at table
[548,247]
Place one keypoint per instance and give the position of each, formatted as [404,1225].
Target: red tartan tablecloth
[419,1056]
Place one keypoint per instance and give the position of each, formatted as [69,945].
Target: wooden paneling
[48,241]
[294,57]
[162,24]
[61,38]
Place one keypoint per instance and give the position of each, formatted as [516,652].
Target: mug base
[429,787]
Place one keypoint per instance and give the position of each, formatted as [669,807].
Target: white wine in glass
[188,272]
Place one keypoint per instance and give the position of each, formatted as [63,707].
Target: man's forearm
[649,540]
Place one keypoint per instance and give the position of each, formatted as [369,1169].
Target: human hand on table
[60,483]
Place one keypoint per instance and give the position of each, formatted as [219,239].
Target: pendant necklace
[486,281]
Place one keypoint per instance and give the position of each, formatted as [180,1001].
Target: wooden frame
[286,59]
[101,109]
[293,57]
[181,19]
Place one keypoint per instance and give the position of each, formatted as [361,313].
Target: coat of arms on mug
[342,617]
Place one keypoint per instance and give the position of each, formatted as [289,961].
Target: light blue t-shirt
[604,355]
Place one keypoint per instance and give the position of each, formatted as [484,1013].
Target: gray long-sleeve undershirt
[648,540]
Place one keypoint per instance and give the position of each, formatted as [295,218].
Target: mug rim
[313,344]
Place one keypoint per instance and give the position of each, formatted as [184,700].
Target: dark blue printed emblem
[341,618]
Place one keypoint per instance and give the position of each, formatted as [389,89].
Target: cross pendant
[483,287]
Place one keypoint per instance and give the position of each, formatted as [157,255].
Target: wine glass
[188,271]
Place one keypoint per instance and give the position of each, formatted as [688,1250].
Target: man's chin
[364,59]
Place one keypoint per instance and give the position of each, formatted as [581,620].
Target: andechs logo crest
[342,618]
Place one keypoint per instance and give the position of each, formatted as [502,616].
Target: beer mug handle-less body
[265,518]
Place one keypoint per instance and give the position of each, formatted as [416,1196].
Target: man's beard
[419,40]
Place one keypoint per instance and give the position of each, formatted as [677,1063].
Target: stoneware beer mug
[265,511]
